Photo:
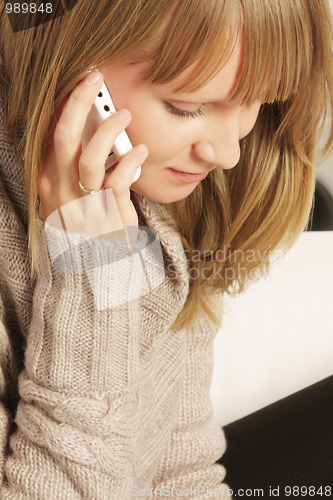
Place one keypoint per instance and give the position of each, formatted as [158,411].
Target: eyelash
[181,113]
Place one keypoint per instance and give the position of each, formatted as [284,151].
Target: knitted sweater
[111,403]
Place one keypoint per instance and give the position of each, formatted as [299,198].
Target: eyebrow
[197,99]
[200,98]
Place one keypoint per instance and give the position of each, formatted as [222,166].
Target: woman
[113,401]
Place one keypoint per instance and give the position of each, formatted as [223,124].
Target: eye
[182,113]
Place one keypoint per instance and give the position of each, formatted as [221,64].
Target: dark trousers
[286,444]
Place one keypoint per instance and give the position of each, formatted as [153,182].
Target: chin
[167,196]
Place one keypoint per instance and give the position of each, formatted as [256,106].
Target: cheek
[150,125]
[159,188]
[163,139]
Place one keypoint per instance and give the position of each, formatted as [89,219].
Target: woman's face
[192,133]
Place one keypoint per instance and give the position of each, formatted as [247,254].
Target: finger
[93,158]
[48,178]
[48,167]
[56,116]
[121,179]
[68,131]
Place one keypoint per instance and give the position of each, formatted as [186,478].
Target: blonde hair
[252,210]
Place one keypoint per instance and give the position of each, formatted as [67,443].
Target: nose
[220,146]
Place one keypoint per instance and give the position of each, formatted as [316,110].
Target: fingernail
[142,148]
[92,77]
[122,113]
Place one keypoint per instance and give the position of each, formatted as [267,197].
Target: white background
[277,337]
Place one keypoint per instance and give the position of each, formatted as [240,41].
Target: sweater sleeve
[4,432]
[197,441]
[77,416]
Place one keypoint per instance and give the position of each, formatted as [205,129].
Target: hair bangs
[192,52]
[280,67]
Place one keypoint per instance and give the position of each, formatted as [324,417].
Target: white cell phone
[102,109]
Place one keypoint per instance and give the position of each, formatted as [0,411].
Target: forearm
[77,417]
[196,441]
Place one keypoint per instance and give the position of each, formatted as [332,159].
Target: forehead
[195,46]
[218,88]
[221,86]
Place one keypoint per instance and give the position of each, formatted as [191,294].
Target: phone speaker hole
[100,94]
[106,108]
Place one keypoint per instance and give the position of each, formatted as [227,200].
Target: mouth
[187,176]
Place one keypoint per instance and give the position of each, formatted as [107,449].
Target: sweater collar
[157,216]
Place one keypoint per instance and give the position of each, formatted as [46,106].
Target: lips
[187,176]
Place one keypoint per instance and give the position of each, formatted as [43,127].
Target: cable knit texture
[96,402]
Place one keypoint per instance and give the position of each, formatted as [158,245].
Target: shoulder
[13,197]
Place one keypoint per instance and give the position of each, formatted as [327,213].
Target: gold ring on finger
[92,191]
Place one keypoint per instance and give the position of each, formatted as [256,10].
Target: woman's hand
[65,164]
